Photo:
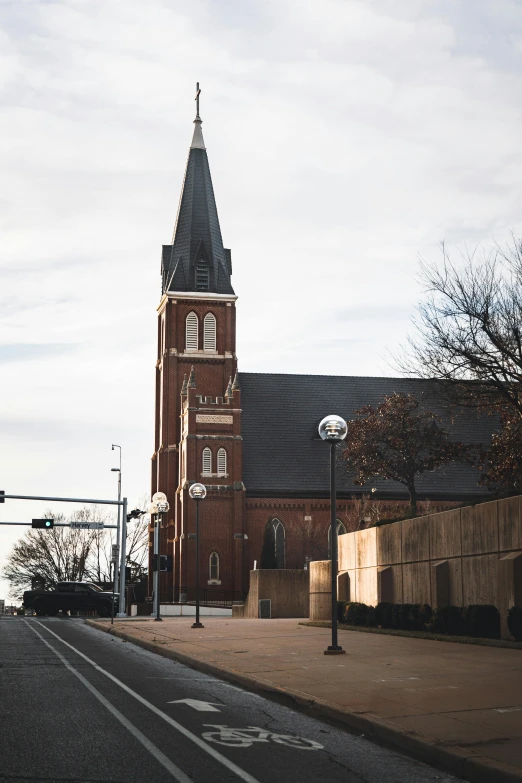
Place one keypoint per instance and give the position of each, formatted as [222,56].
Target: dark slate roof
[196,233]
[284,456]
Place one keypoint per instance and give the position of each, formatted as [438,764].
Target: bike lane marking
[244,738]
[160,757]
[241,773]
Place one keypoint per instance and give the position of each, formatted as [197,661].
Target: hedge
[478,620]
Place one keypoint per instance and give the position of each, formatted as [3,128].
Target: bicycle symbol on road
[244,738]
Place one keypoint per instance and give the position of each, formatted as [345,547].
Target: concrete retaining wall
[287,589]
[470,555]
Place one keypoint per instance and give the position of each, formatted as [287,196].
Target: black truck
[83,596]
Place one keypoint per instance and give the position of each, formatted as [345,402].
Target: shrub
[514,622]
[484,621]
[450,620]
[356,613]
[341,608]
[424,616]
[370,619]
[384,615]
[404,616]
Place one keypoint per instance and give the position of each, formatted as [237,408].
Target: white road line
[241,773]
[160,757]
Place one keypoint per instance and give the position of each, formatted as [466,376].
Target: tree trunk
[413,500]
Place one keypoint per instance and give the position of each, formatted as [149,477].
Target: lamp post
[118,471]
[333,429]
[157,508]
[197,492]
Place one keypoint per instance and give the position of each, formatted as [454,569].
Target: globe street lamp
[333,429]
[157,508]
[197,492]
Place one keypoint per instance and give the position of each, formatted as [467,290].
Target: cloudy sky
[346,138]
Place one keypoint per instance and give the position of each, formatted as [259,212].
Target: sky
[346,140]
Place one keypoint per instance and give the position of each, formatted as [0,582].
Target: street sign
[86,525]
[115,553]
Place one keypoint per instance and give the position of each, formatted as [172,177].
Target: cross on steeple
[198,93]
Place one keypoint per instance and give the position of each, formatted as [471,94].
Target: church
[251,438]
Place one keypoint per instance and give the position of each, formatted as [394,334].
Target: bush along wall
[479,620]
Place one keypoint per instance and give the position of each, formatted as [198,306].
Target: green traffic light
[47,523]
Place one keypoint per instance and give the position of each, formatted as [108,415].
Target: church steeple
[196,260]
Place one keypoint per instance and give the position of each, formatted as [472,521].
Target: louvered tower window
[207,462]
[202,276]
[209,333]
[222,462]
[191,332]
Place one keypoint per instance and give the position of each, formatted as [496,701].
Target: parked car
[82,596]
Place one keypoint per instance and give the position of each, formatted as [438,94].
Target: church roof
[284,456]
[197,234]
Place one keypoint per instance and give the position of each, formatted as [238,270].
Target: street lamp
[158,507]
[197,492]
[333,429]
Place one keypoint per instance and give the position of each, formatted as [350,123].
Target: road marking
[241,773]
[200,706]
[175,771]
[398,679]
[509,709]
[244,738]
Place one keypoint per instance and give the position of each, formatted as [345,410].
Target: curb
[459,761]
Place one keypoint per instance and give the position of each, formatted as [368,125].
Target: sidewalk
[457,706]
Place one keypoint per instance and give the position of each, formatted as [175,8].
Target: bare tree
[468,330]
[63,554]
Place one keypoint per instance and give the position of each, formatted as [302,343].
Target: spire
[235,385]
[197,260]
[192,379]
[184,387]
[228,392]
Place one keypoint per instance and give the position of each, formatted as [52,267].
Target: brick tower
[198,399]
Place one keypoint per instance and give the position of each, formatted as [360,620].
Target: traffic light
[2,493]
[163,563]
[45,524]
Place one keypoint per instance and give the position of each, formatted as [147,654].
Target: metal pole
[62,500]
[197,624]
[116,579]
[157,547]
[123,553]
[334,648]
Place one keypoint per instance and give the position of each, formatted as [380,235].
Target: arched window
[191,332]
[341,529]
[202,275]
[222,462]
[213,567]
[209,333]
[273,552]
[207,462]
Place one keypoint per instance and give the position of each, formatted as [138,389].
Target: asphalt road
[78,705]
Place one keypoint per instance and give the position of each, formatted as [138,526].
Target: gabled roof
[283,455]
[197,233]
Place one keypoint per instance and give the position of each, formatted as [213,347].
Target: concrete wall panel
[415,539]
[347,545]
[479,525]
[389,544]
[510,524]
[366,548]
[366,585]
[479,579]
[416,586]
[445,534]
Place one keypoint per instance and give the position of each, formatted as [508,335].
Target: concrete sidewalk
[456,706]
